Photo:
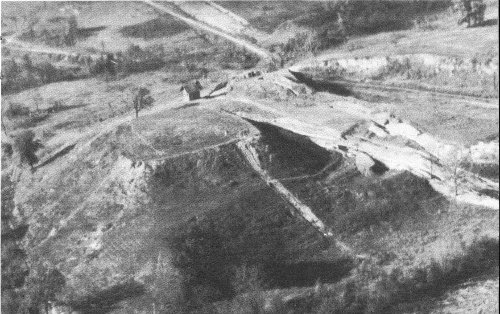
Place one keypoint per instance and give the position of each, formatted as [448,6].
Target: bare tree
[142,100]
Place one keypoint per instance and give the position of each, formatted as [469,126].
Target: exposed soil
[375,159]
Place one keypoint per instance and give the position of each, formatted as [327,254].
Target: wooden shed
[191,90]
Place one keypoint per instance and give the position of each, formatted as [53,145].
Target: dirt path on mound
[87,137]
[298,207]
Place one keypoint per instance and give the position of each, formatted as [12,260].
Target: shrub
[14,269]
[16,77]
[47,72]
[23,75]
[7,149]
[364,17]
[232,56]
[57,32]
[26,145]
[373,290]
[56,106]
[17,110]
[137,59]
[311,42]
[41,287]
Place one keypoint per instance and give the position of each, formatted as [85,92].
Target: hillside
[328,167]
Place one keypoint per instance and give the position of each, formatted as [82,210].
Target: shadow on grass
[15,234]
[188,105]
[304,274]
[55,109]
[89,31]
[369,292]
[155,28]
[337,88]
[60,153]
[490,22]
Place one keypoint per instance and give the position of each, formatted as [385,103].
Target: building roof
[193,86]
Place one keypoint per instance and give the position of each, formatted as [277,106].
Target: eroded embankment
[421,71]
[380,147]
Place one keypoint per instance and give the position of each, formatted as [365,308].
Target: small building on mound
[191,90]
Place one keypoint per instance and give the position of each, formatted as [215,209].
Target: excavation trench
[380,154]
[299,208]
[239,217]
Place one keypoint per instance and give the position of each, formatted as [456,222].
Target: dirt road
[168,9]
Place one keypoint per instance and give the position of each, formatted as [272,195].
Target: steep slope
[101,214]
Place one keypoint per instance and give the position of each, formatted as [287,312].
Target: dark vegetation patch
[30,72]
[393,293]
[364,17]
[358,203]
[87,32]
[14,268]
[248,245]
[23,116]
[327,24]
[56,32]
[490,171]
[304,274]
[490,193]
[26,145]
[411,74]
[369,17]
[374,290]
[230,56]
[22,74]
[15,110]
[14,233]
[107,300]
[359,17]
[155,28]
